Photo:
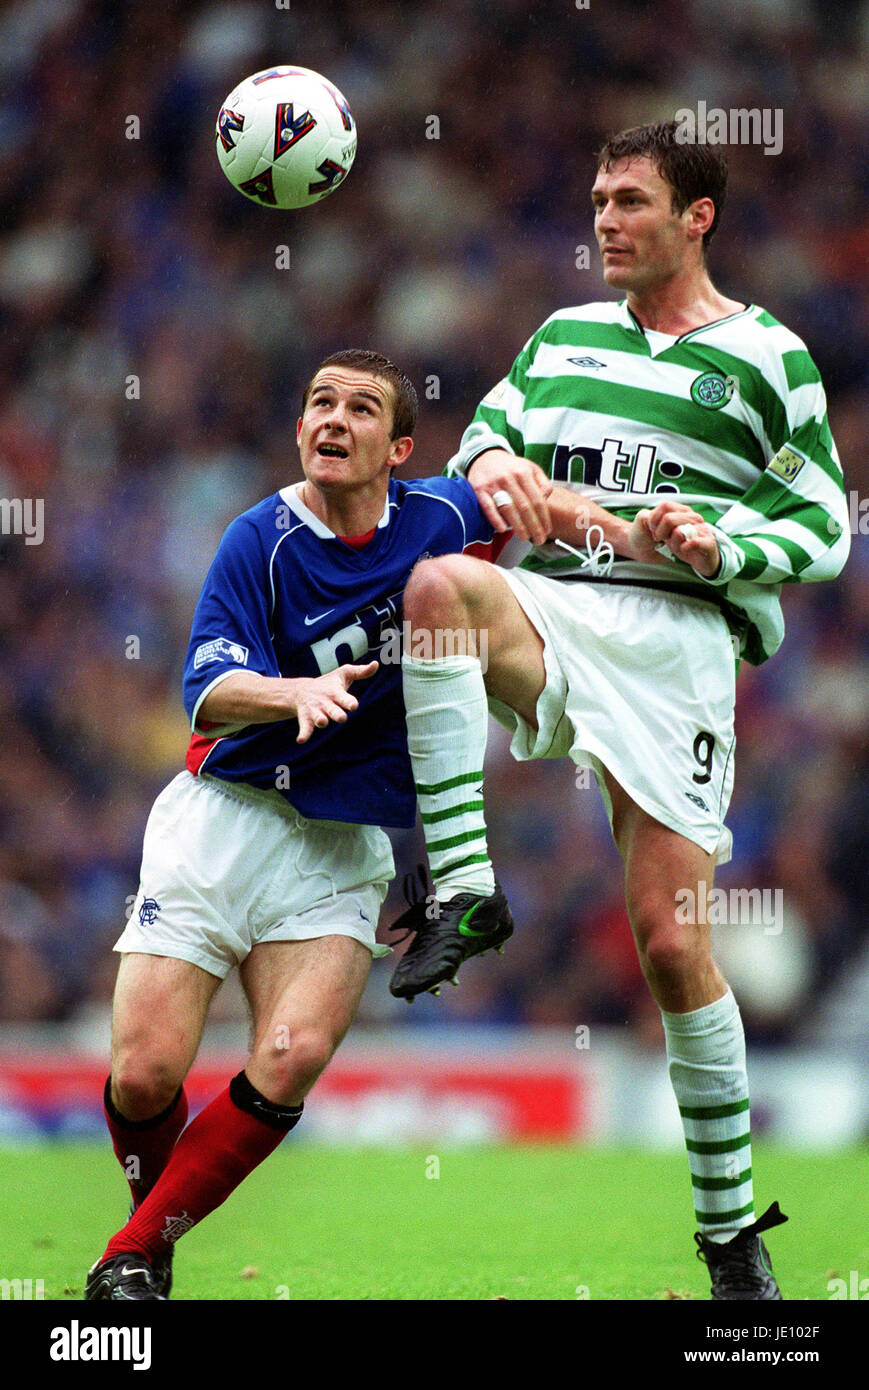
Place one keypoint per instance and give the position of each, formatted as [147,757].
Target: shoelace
[598,555]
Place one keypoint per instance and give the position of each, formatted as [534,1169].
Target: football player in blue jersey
[267,851]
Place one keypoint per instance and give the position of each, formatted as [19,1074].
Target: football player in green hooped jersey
[690,433]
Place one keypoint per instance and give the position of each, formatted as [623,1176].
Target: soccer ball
[286,137]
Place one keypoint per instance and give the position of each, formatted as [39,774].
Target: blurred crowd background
[152,355]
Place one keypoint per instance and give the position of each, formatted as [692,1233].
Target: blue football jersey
[287,597]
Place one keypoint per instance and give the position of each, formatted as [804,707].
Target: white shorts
[225,868]
[639,682]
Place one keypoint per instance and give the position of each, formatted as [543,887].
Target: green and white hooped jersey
[730,417]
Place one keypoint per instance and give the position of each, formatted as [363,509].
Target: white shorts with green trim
[640,682]
[226,867]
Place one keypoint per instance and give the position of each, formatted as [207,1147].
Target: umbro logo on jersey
[309,622]
[590,362]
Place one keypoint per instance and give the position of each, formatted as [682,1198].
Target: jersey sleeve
[498,421]
[232,623]
[792,524]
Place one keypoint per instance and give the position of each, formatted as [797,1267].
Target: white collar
[291,495]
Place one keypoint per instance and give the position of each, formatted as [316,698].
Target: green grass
[516,1223]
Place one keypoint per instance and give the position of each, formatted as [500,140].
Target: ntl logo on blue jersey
[371,627]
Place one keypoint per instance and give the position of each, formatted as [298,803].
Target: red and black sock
[225,1142]
[143,1147]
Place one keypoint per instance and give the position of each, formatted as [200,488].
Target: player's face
[343,434]
[643,242]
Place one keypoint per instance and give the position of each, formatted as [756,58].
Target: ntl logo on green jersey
[614,468]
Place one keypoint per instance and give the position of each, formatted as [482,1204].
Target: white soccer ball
[286,137]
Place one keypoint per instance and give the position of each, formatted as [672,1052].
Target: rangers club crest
[148,912]
[176,1226]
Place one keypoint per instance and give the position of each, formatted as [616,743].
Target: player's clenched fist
[675,530]
[323,698]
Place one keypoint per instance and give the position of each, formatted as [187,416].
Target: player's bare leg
[676,956]
[705,1045]
[469,638]
[303,996]
[158,1014]
[159,1011]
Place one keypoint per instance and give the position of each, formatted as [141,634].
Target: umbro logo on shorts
[698,800]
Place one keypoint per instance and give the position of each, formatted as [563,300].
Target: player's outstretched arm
[248,698]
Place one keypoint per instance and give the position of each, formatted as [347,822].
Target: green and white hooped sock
[447,728]
[706,1053]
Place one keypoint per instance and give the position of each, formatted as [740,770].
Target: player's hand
[526,514]
[324,699]
[682,531]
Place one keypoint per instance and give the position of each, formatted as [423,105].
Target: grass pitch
[521,1223]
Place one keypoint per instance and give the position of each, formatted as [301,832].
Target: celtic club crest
[712,390]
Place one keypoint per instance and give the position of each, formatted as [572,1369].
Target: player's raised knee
[440,589]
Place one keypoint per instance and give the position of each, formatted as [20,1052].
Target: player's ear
[700,216]
[299,430]
[400,450]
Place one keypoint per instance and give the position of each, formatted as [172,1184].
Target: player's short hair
[692,169]
[405,404]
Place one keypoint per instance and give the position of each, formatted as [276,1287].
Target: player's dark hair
[691,168]
[405,405]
